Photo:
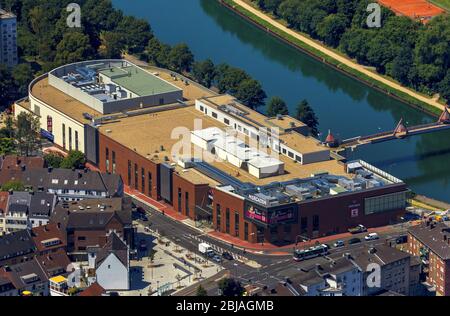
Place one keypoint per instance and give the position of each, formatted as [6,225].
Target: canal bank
[331,58]
[346,106]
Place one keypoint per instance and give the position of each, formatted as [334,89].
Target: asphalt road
[273,268]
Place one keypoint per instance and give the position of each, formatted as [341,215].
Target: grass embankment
[444,4]
[331,61]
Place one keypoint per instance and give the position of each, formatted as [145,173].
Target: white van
[372,236]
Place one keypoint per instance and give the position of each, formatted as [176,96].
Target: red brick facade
[128,164]
[335,214]
[438,270]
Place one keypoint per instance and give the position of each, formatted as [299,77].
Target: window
[214,114]
[236,223]
[81,238]
[150,184]
[64,135]
[107,158]
[304,225]
[179,199]
[186,202]
[219,215]
[113,162]
[385,203]
[315,222]
[76,141]
[201,108]
[136,176]
[227,220]
[70,138]
[226,121]
[129,173]
[143,180]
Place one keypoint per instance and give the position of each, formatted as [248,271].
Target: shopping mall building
[211,158]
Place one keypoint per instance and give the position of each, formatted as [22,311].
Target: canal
[344,105]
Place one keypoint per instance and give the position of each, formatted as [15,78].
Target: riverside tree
[276,106]
[306,114]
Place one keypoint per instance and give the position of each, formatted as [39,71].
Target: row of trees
[303,112]
[416,55]
[226,78]
[43,37]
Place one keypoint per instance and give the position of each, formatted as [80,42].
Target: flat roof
[301,143]
[75,109]
[62,102]
[138,81]
[251,116]
[155,130]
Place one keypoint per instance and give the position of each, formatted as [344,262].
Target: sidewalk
[264,248]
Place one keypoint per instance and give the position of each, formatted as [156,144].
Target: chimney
[59,225]
[46,228]
[23,167]
[18,161]
[80,175]
[50,169]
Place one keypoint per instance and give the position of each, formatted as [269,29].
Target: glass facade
[385,203]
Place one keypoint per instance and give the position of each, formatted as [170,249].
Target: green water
[344,105]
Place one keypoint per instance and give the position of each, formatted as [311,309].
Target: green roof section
[138,81]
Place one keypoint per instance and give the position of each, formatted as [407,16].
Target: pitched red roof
[330,138]
[94,290]
[43,234]
[13,162]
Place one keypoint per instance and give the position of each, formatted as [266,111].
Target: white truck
[205,249]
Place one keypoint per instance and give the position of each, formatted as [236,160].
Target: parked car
[411,217]
[371,236]
[227,255]
[339,243]
[358,229]
[354,241]
[216,258]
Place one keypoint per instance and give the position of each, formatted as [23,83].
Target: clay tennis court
[416,9]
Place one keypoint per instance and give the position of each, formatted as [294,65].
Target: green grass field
[445,4]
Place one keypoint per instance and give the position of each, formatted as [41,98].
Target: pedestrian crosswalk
[216,248]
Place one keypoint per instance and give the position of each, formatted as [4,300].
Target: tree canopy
[416,55]
[276,106]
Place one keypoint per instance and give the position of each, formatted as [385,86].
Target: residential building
[7,287]
[49,239]
[338,277]
[279,182]
[17,211]
[28,209]
[88,223]
[3,206]
[8,39]
[27,276]
[111,264]
[16,247]
[14,162]
[384,268]
[55,263]
[431,242]
[69,185]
